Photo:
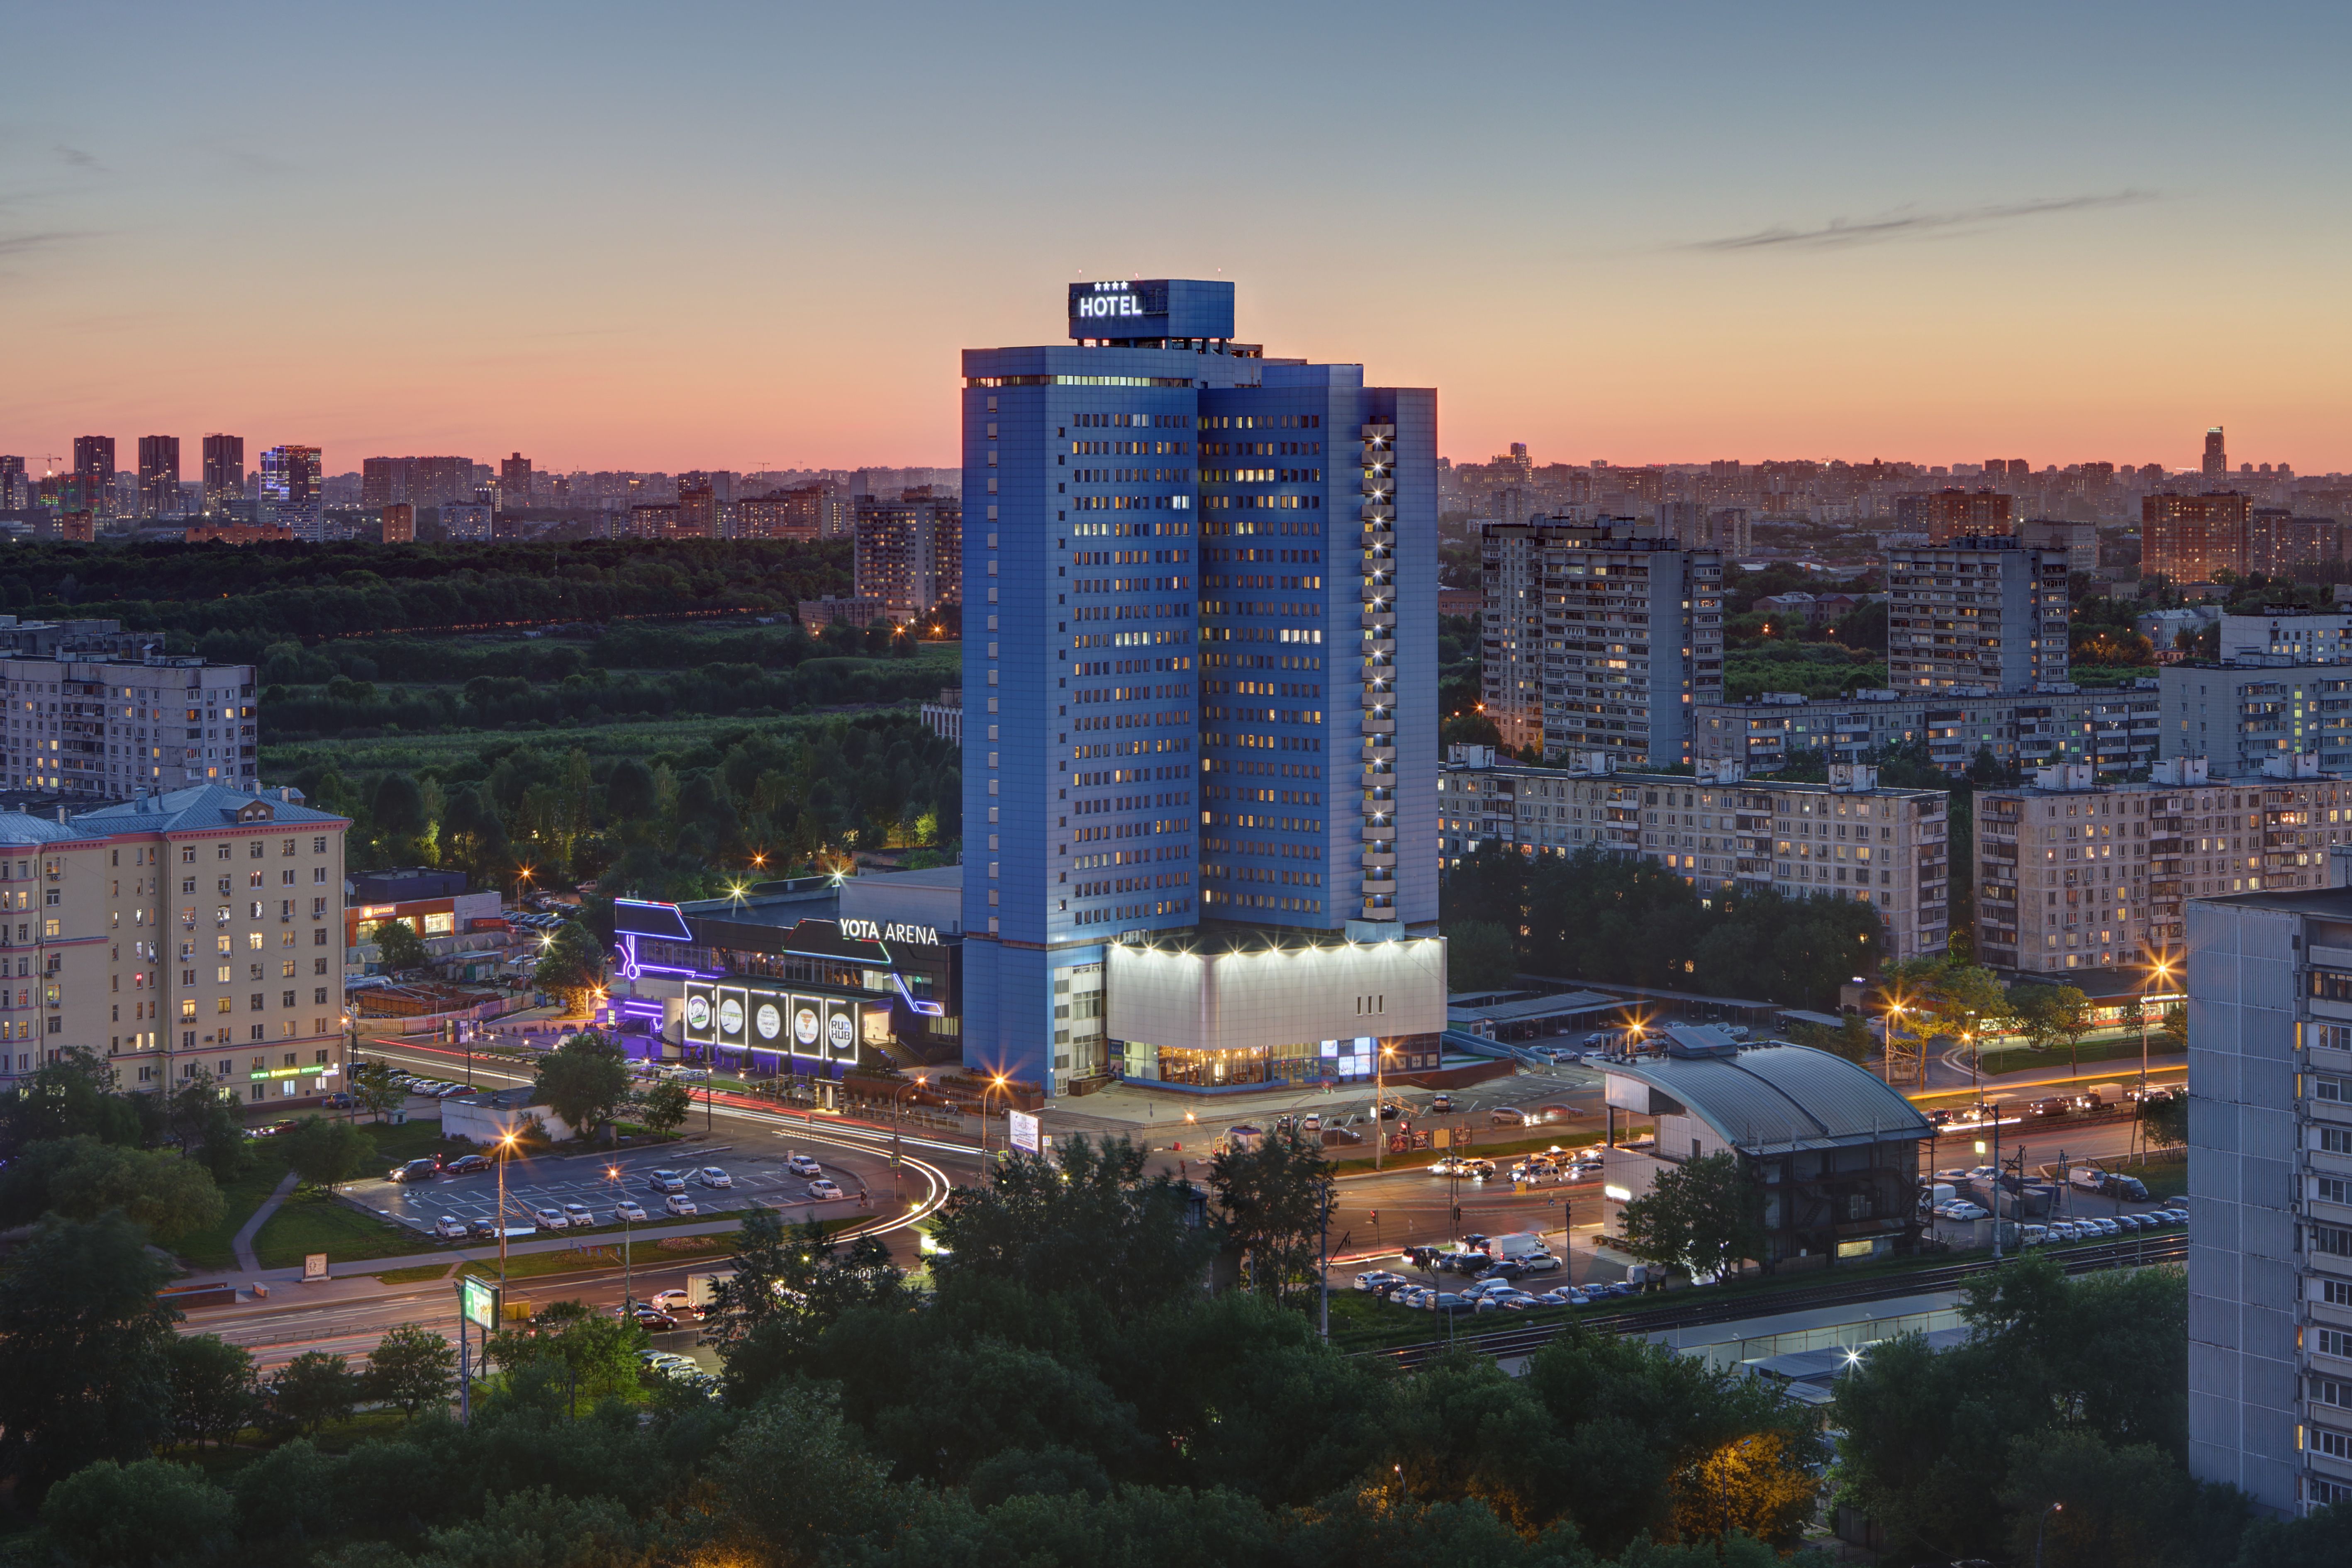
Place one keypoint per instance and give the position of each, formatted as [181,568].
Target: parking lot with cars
[551,1196]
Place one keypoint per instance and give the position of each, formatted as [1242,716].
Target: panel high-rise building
[15,488]
[697,507]
[1975,612]
[159,476]
[223,472]
[1600,637]
[2270,1178]
[514,481]
[1952,513]
[290,488]
[2217,456]
[910,552]
[1199,613]
[93,465]
[2189,537]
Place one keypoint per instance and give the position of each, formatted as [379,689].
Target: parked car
[652,1319]
[629,1208]
[415,1170]
[667,1181]
[679,1204]
[803,1165]
[449,1228]
[1419,1257]
[1447,1302]
[673,1302]
[467,1165]
[824,1190]
[1539,1262]
[578,1216]
[712,1176]
[1440,1104]
[549,1219]
[1505,1116]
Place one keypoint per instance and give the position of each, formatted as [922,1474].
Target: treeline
[627,645]
[1591,915]
[346,707]
[748,804]
[325,590]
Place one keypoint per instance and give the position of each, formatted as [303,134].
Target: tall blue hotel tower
[1199,673]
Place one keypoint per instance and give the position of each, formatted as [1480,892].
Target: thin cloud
[1840,233]
[79,158]
[17,244]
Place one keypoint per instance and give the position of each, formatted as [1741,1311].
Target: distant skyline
[721,235]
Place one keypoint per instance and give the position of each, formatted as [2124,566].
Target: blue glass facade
[1199,673]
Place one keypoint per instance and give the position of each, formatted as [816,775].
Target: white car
[671,1300]
[449,1228]
[629,1208]
[581,1215]
[678,1203]
[1537,1263]
[549,1219]
[803,1165]
[712,1176]
[824,1189]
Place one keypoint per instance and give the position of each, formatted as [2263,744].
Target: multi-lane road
[1378,1213]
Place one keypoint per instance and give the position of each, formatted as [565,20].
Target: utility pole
[1996,1181]
[1323,1274]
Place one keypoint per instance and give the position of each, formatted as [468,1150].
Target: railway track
[1706,1311]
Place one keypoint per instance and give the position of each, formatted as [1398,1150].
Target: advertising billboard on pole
[1024,1128]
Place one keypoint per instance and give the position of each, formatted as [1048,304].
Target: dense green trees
[83,1370]
[1589,915]
[81,1178]
[327,1152]
[583,1080]
[237,600]
[748,804]
[2068,1392]
[1705,1216]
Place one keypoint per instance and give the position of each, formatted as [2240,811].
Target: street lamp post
[2158,969]
[506,1147]
[2039,1524]
[1380,1104]
[629,1296]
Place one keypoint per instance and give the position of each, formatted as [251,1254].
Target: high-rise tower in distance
[159,476]
[290,484]
[223,472]
[2216,459]
[1200,621]
[93,460]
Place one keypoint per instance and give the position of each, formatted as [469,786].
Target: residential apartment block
[1722,833]
[98,727]
[2270,1174]
[2241,717]
[1982,611]
[910,551]
[194,931]
[2112,727]
[2189,537]
[1600,637]
[2073,875]
[2286,633]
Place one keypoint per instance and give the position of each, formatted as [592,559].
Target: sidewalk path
[242,1243]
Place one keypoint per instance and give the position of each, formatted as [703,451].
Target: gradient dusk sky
[721,235]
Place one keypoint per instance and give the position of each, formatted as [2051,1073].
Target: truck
[1932,1195]
[2090,1178]
[1516,1244]
[702,1290]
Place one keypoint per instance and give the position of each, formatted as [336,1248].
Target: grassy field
[311,1222]
[2024,1059]
[642,1255]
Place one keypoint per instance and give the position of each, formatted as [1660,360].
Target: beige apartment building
[2072,875]
[1722,833]
[194,931]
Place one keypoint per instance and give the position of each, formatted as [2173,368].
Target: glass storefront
[1351,1060]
